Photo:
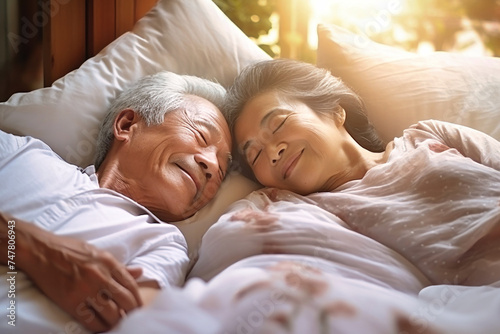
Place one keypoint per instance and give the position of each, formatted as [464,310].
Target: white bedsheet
[278,263]
[292,267]
[276,294]
[257,225]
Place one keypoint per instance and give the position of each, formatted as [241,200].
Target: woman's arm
[471,143]
[86,282]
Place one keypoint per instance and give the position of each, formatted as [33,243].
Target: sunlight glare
[355,7]
[367,16]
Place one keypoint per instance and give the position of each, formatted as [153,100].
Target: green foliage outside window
[251,16]
[435,21]
[439,22]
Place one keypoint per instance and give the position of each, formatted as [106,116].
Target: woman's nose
[276,152]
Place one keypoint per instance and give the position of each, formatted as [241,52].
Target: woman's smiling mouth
[290,164]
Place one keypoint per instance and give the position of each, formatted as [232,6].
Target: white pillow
[400,88]
[183,36]
[186,37]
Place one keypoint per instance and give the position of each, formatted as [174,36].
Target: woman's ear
[125,124]
[339,116]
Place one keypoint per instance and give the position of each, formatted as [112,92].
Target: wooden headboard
[79,29]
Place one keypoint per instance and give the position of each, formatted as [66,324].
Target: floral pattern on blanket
[275,294]
[291,297]
[258,225]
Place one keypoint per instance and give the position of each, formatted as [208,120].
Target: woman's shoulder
[432,125]
[436,129]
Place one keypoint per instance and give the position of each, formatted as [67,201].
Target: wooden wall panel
[64,38]
[79,29]
[100,25]
[125,16]
[143,6]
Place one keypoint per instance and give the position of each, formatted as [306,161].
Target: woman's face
[288,145]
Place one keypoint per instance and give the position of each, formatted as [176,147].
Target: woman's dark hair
[313,86]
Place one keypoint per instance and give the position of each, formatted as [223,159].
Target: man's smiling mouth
[191,176]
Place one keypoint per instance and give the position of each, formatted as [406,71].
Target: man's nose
[207,159]
[276,152]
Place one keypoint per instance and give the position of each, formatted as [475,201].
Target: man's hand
[88,283]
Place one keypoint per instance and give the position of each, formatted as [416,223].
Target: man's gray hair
[152,97]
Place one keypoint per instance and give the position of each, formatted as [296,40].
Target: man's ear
[125,123]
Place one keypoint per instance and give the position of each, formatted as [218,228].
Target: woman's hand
[86,282]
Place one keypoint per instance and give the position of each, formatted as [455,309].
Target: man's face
[176,167]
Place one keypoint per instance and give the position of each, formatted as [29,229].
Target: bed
[268,261]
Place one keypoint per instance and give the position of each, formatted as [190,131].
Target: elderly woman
[432,194]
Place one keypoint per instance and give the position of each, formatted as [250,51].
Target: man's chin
[180,211]
[179,214]
[170,217]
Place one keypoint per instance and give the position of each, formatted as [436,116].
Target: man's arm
[88,283]
[148,291]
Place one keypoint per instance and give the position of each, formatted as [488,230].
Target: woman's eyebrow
[245,147]
[267,116]
[263,122]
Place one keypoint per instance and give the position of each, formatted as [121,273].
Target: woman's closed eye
[256,157]
[281,123]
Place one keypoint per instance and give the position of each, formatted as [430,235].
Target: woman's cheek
[264,176]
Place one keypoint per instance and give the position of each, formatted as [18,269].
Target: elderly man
[94,242]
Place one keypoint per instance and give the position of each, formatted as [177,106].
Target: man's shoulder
[10,143]
[13,144]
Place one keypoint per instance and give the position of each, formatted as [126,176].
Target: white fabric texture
[302,264]
[186,37]
[436,201]
[273,294]
[290,224]
[39,187]
[435,222]
[400,88]
[366,287]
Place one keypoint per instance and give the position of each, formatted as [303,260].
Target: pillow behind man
[400,88]
[182,36]
[186,37]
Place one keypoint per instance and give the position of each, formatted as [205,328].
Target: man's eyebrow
[210,126]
